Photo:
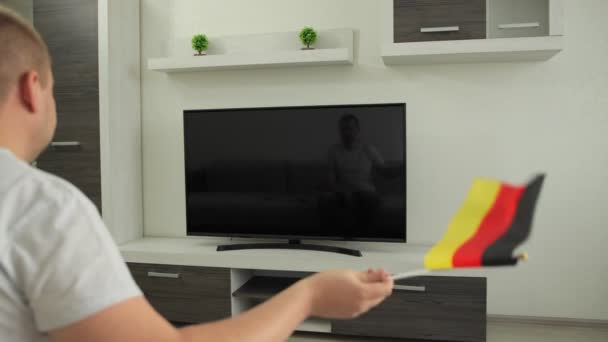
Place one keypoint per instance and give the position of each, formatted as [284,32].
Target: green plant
[200,43]
[308,36]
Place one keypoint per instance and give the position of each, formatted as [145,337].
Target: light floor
[504,332]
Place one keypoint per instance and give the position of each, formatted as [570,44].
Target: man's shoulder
[36,189]
[52,187]
[35,200]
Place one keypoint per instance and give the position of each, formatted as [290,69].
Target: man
[350,166]
[351,162]
[61,276]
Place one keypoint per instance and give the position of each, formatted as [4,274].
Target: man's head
[27,108]
[349,129]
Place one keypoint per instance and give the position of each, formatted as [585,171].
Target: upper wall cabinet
[458,31]
[431,20]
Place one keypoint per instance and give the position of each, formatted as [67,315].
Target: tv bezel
[300,237]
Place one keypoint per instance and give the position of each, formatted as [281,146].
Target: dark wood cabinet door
[185,294]
[426,308]
[433,20]
[69,28]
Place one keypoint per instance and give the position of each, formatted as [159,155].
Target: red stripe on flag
[493,226]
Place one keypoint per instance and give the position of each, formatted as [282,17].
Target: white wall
[503,120]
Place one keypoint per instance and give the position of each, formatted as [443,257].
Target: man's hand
[347,294]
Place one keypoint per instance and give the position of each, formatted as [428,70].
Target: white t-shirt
[58,262]
[353,167]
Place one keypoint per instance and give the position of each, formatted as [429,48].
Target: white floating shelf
[271,50]
[473,50]
[243,61]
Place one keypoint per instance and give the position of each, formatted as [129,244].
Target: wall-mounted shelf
[335,47]
[473,51]
[317,57]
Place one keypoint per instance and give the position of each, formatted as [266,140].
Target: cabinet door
[432,20]
[518,18]
[69,28]
[185,294]
[426,308]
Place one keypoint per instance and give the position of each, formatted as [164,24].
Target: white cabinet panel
[518,18]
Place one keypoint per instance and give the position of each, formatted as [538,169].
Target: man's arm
[375,157]
[135,320]
[337,294]
[383,169]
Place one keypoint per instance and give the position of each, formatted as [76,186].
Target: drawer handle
[163,275]
[518,25]
[65,144]
[409,288]
[440,29]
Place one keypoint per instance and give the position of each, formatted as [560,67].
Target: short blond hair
[22,49]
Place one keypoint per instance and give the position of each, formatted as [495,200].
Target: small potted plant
[308,37]
[200,43]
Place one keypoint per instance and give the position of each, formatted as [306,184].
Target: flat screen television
[314,173]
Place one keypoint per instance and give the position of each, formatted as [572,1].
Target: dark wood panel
[70,29]
[412,15]
[198,295]
[75,165]
[451,309]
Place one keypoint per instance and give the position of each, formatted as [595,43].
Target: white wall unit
[335,47]
[504,120]
[530,30]
[202,252]
[120,118]
[246,264]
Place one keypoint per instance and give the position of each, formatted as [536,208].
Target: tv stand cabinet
[187,281]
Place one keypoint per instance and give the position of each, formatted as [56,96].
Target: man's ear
[30,91]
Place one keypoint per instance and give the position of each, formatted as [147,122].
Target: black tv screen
[323,172]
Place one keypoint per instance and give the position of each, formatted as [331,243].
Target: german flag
[494,219]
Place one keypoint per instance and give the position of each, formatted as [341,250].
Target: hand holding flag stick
[493,221]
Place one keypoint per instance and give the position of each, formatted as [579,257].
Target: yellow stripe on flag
[465,223]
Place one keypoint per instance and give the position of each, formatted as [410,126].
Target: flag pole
[420,272]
